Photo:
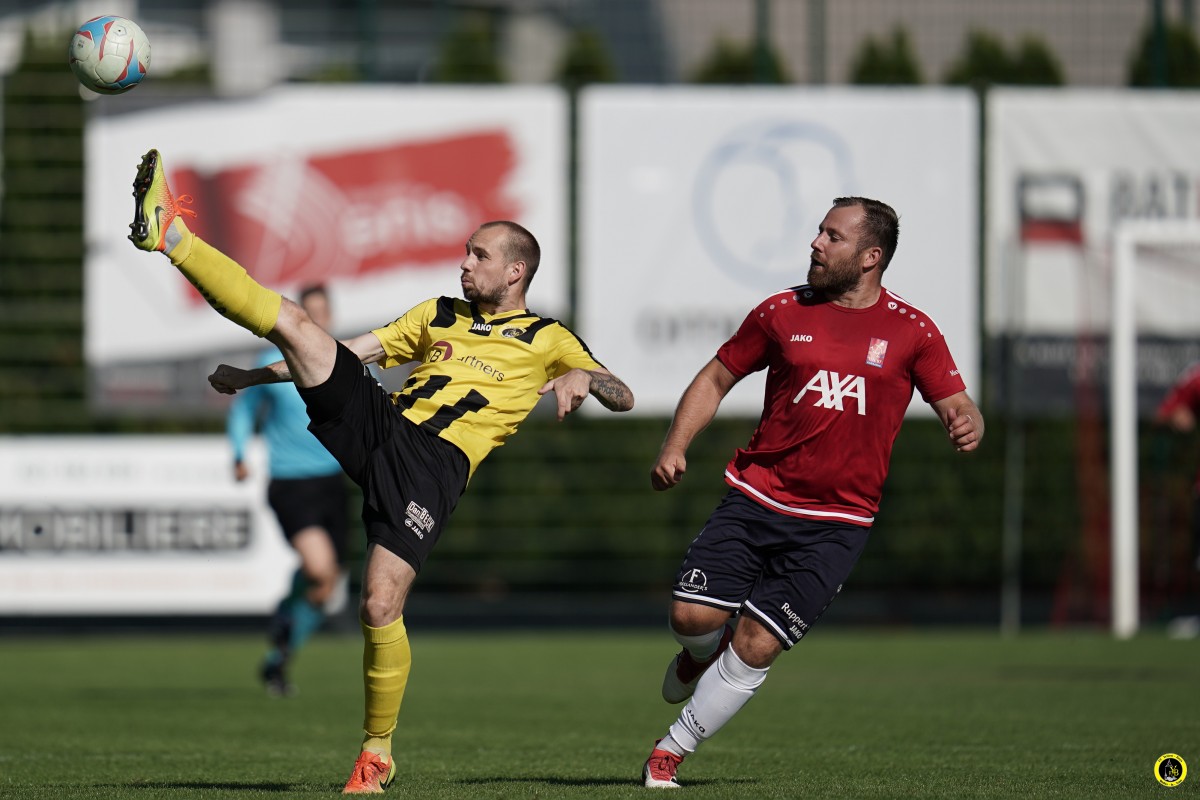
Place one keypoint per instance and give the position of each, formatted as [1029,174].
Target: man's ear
[871,258]
[516,272]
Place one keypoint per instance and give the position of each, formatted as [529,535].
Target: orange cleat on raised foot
[154,208]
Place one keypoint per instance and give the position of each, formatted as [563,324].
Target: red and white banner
[1065,169]
[372,191]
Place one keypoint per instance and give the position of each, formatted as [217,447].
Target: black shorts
[301,503]
[411,479]
[783,571]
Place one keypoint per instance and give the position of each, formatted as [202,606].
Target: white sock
[721,693]
[671,746]
[702,646]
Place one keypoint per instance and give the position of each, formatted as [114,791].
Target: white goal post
[1129,238]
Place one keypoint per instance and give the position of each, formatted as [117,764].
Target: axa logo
[833,390]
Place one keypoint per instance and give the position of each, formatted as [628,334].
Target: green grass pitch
[850,713]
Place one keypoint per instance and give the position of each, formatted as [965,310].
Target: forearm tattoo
[612,393]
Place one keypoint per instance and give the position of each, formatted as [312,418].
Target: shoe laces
[663,762]
[370,767]
[181,209]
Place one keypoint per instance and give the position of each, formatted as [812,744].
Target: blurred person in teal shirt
[308,493]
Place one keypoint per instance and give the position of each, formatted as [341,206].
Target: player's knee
[379,608]
[293,322]
[694,619]
[756,646]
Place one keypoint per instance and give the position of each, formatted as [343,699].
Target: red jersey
[1184,394]
[839,381]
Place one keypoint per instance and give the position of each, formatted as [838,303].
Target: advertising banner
[372,191]
[1065,169]
[136,525]
[697,203]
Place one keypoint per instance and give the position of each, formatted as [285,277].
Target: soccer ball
[109,54]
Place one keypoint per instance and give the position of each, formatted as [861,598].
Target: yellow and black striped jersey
[478,374]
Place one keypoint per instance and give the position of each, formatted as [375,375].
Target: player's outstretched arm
[963,421]
[230,380]
[696,409]
[572,388]
[610,390]
[367,347]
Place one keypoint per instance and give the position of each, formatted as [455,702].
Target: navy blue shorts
[783,571]
[411,479]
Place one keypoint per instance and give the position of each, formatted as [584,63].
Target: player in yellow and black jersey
[484,361]
[480,373]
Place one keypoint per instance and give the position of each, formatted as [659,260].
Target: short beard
[492,298]
[834,282]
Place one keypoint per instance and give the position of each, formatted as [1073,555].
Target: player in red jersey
[1178,412]
[843,356]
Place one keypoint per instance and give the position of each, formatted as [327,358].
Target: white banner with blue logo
[697,203]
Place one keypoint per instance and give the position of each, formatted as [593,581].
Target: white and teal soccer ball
[109,54]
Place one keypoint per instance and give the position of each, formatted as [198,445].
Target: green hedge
[569,506]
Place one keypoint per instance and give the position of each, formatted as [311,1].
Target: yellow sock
[386,662]
[224,283]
